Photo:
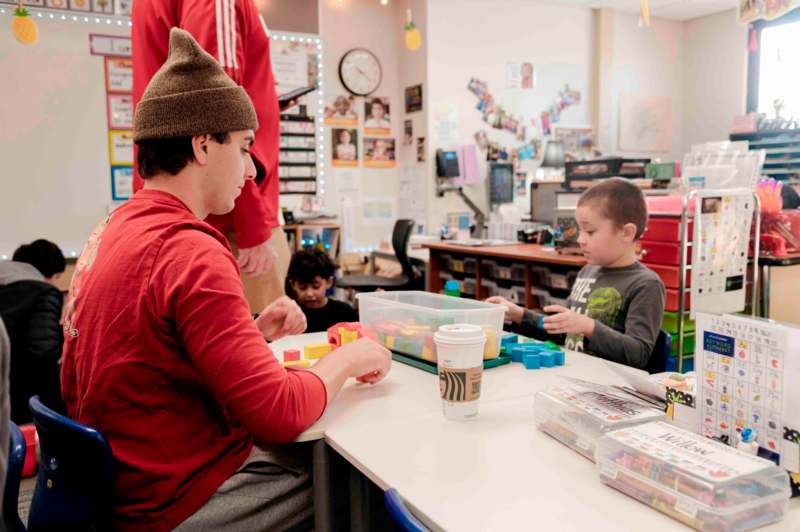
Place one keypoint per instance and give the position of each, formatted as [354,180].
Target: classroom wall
[469,38]
[55,181]
[646,61]
[354,192]
[714,76]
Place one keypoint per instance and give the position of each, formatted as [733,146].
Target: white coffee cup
[459,351]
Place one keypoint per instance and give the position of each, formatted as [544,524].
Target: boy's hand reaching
[565,321]
[513,312]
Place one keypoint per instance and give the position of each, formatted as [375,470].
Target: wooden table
[528,254]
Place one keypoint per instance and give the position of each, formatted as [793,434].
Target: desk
[494,473]
[779,288]
[526,254]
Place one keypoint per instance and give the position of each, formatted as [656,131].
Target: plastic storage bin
[664,253]
[666,229]
[405,322]
[490,287]
[502,272]
[670,275]
[579,413]
[517,272]
[542,297]
[469,287]
[540,276]
[702,483]
[559,280]
[470,265]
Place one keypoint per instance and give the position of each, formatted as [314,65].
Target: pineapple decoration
[413,38]
[23,27]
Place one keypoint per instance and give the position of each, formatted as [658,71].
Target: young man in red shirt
[234,33]
[161,353]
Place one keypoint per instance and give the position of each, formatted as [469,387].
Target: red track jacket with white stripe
[233,32]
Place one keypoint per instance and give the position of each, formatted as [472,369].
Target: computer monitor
[501,183]
[446,163]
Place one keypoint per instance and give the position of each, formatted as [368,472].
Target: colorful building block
[551,345]
[560,358]
[531,361]
[316,350]
[509,338]
[297,364]
[348,337]
[547,359]
[389,343]
[291,354]
[491,350]
[519,351]
[428,354]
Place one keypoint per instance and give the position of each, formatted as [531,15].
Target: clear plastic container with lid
[702,483]
[405,322]
[579,413]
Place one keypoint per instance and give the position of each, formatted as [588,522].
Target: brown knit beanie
[191,95]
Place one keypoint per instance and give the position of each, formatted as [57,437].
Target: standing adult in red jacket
[234,33]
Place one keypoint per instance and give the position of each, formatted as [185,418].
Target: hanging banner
[750,11]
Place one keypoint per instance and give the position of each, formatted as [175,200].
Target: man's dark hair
[42,255]
[307,264]
[619,200]
[169,155]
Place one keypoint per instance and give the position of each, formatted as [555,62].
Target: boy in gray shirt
[616,305]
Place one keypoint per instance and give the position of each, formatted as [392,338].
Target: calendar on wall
[748,376]
[720,250]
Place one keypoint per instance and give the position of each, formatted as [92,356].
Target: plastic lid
[452,285]
[747,435]
[460,333]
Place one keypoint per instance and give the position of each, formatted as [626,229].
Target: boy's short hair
[620,201]
[169,155]
[43,255]
[308,264]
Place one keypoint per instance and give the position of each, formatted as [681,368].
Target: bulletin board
[56,178]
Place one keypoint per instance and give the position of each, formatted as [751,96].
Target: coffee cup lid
[460,333]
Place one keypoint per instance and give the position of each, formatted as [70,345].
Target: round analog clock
[360,72]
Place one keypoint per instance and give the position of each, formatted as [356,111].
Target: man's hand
[282,318]
[565,321]
[258,259]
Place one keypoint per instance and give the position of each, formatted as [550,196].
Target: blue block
[509,338]
[519,351]
[560,357]
[540,322]
[547,359]
[531,361]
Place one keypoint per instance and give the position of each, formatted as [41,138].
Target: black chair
[409,279]
[16,459]
[661,350]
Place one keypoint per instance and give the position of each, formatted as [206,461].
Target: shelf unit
[305,236]
[782,148]
[297,167]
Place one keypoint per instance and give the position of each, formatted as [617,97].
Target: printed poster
[120,111]
[119,74]
[120,147]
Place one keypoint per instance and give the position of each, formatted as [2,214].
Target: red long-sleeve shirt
[162,356]
[234,33]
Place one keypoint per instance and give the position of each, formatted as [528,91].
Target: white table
[494,473]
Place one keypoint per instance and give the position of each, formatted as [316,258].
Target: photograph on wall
[520,75]
[119,74]
[80,5]
[345,147]
[341,112]
[520,184]
[408,136]
[414,99]
[379,153]
[420,149]
[120,111]
[578,141]
[103,6]
[376,116]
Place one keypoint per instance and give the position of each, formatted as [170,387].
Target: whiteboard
[55,180]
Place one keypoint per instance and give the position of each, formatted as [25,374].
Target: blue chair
[400,514]
[661,351]
[16,459]
[76,477]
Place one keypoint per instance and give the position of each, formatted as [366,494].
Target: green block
[670,323]
[688,345]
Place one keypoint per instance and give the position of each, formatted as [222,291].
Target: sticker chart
[750,370]
[719,262]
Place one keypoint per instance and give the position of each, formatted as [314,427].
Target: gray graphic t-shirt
[628,306]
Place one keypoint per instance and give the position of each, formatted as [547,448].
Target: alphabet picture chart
[720,249]
[749,377]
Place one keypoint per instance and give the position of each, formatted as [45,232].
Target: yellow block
[348,336]
[389,342]
[297,364]
[317,350]
[427,354]
[490,351]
